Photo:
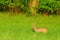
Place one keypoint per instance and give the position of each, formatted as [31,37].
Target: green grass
[19,27]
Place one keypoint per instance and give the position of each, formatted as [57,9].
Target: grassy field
[20,27]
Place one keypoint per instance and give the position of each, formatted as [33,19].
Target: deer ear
[33,24]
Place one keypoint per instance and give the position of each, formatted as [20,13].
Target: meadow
[19,27]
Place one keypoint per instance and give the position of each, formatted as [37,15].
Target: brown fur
[39,29]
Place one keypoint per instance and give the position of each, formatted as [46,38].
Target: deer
[44,30]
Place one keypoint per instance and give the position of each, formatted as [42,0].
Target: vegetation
[17,28]
[46,7]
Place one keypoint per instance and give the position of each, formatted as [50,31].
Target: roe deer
[39,29]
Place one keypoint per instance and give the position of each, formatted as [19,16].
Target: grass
[19,27]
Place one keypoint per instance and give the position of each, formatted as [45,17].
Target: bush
[45,7]
[48,6]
